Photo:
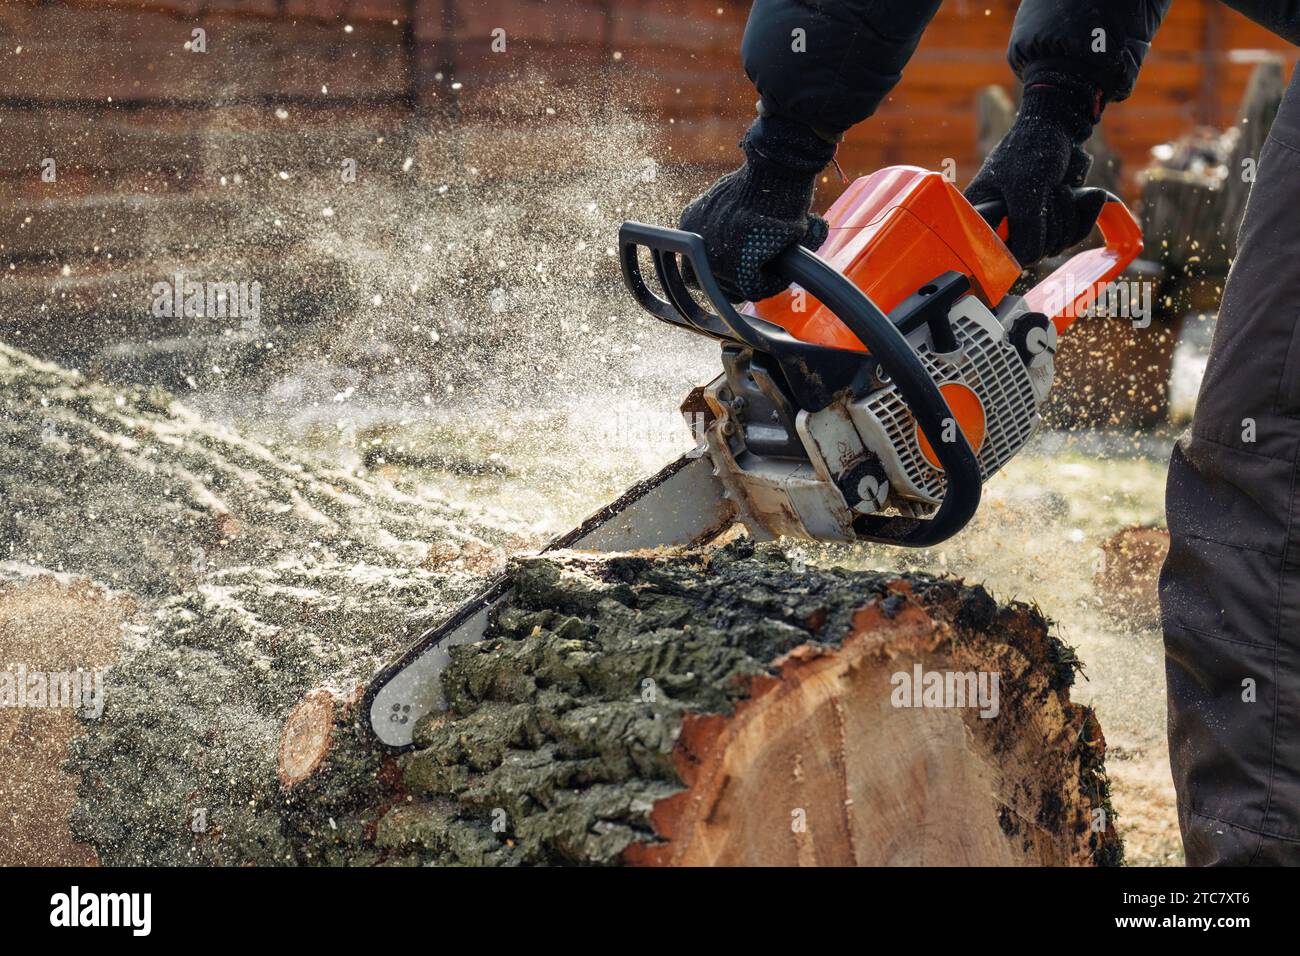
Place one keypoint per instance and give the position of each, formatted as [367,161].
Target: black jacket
[829,63]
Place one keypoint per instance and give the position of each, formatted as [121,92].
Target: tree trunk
[729,707]
[1194,193]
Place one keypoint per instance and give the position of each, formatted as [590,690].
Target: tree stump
[665,708]
[1194,192]
[1128,580]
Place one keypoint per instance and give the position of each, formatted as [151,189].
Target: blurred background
[493,147]
[102,77]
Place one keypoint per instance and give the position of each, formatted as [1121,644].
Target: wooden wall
[105,77]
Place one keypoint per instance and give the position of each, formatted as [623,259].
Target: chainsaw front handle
[1072,289]
[884,342]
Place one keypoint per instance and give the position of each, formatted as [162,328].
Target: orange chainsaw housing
[896,230]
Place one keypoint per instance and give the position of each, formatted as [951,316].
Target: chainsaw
[870,401]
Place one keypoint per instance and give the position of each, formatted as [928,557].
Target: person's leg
[1230,588]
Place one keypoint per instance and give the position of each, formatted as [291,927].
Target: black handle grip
[667,248]
[860,315]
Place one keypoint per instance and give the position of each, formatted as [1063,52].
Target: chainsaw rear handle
[1073,288]
[878,335]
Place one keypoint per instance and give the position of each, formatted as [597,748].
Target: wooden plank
[216,142]
[140,56]
[709,26]
[572,23]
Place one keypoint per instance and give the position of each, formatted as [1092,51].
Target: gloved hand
[750,216]
[1037,164]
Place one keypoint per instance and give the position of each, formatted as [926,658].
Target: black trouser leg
[1230,588]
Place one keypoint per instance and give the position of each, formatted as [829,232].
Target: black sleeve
[1105,40]
[830,64]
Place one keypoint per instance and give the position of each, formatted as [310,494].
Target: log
[817,744]
[737,709]
[729,706]
[675,708]
[309,733]
[49,624]
[218,579]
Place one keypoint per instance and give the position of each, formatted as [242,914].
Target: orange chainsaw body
[894,231]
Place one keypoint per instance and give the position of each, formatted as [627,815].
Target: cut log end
[725,707]
[308,734]
[837,759]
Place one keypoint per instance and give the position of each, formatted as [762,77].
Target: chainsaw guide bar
[683,505]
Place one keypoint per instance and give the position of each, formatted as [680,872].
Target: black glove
[750,216]
[1037,164]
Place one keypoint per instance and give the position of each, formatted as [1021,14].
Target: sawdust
[49,623]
